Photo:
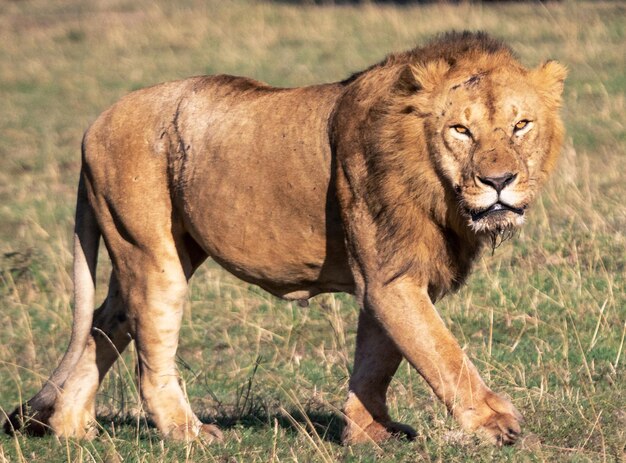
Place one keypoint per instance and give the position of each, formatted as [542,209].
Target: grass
[544,318]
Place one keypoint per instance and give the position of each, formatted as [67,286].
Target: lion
[385,185]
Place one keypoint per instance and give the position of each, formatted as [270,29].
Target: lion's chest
[451,259]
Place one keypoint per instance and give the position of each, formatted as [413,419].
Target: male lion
[386,185]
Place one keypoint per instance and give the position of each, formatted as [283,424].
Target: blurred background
[544,317]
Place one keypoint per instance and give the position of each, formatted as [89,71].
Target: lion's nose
[498,183]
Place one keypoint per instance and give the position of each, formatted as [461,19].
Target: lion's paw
[211,433]
[496,419]
[187,432]
[74,423]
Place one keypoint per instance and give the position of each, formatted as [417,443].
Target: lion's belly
[255,191]
[275,247]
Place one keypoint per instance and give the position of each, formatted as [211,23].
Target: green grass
[544,317]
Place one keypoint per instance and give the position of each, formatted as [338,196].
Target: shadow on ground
[327,425]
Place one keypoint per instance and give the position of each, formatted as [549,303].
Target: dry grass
[545,317]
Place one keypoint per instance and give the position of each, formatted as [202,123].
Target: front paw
[494,418]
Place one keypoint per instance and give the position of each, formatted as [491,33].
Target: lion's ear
[550,78]
[423,76]
[431,74]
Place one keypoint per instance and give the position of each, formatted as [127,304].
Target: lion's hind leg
[155,288]
[376,361]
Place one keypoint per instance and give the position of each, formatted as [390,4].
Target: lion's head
[494,132]
[460,133]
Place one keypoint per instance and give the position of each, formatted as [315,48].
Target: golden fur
[385,185]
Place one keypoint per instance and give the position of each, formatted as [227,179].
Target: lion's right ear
[549,78]
[422,77]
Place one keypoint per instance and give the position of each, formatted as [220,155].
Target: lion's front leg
[406,313]
[376,360]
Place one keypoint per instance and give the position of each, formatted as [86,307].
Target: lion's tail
[86,243]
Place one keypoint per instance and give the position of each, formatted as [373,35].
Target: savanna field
[544,317]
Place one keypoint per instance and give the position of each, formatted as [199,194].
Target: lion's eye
[461,132]
[521,124]
[521,127]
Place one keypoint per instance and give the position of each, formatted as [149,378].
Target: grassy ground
[544,318]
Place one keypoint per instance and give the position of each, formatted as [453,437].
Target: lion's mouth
[496,208]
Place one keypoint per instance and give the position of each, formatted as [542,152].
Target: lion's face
[496,135]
